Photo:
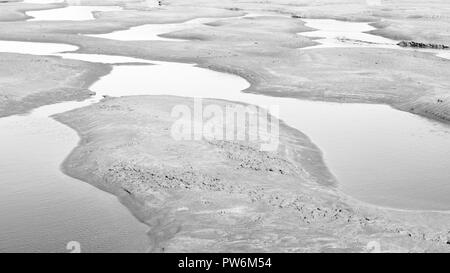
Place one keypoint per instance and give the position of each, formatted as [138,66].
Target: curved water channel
[43,209]
[333,33]
[153,31]
[379,155]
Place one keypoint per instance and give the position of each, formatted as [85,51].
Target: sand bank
[229,196]
[30,81]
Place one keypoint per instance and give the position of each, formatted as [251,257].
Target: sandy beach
[228,196]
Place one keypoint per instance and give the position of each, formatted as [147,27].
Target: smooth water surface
[334,33]
[34,48]
[152,32]
[43,209]
[69,13]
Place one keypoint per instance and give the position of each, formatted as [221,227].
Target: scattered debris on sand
[421,45]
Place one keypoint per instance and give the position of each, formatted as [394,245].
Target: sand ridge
[227,196]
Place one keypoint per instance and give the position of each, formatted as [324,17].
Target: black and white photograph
[239,127]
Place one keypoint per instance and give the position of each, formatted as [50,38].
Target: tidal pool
[69,13]
[34,48]
[331,33]
[43,1]
[152,32]
[334,33]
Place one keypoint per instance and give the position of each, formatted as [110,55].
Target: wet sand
[267,52]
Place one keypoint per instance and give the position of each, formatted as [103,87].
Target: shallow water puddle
[34,48]
[99,58]
[69,13]
[333,34]
[152,32]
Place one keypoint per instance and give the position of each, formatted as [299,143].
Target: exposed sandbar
[211,196]
[30,81]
